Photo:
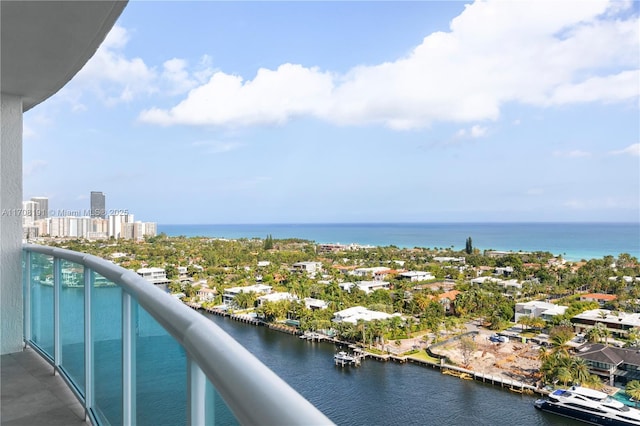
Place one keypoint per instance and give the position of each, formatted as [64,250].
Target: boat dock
[315,337]
[510,384]
[342,358]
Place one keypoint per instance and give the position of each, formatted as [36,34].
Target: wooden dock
[503,382]
[315,337]
[284,328]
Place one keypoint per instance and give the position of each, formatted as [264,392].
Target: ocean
[573,241]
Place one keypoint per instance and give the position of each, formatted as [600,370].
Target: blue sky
[278,112]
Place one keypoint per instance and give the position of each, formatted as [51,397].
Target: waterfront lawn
[424,356]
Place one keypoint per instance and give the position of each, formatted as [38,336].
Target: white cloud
[633,150]
[478,131]
[115,78]
[495,52]
[611,88]
[475,131]
[111,75]
[272,97]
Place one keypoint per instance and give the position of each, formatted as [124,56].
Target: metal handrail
[254,393]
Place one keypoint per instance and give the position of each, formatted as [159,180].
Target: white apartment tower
[42,209]
[29,210]
[115,224]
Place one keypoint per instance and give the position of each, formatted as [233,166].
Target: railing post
[199,412]
[57,285]
[88,345]
[128,360]
[27,296]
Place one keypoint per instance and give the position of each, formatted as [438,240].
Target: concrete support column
[11,310]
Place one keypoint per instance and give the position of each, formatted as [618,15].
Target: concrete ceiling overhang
[43,44]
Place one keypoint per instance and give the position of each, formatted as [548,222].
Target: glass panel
[161,374]
[221,413]
[72,322]
[106,329]
[42,302]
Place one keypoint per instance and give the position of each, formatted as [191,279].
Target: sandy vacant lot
[514,360]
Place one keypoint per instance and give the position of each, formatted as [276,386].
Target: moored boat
[589,406]
[343,358]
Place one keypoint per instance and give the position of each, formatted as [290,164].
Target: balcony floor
[31,395]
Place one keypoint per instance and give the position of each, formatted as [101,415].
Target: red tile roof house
[446,300]
[601,298]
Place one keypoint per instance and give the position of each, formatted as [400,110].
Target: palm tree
[633,390]
[543,354]
[564,375]
[559,346]
[580,370]
[538,323]
[595,333]
[634,336]
[524,321]
[593,382]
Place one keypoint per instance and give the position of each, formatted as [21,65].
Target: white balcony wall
[11,311]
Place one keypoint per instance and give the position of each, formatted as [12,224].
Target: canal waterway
[383,393]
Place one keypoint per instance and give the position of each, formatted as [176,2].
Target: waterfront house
[276,297]
[231,292]
[355,313]
[206,294]
[618,324]
[315,304]
[612,363]
[156,276]
[538,309]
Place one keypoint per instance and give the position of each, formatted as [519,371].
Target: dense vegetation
[228,263]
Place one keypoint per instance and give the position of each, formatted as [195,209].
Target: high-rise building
[115,224]
[29,211]
[98,205]
[42,210]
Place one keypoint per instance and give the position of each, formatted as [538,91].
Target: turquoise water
[574,241]
[622,397]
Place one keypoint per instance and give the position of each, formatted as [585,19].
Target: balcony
[130,353]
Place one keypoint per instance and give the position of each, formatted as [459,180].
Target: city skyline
[351,112]
[93,223]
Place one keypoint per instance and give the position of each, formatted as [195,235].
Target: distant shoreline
[573,241]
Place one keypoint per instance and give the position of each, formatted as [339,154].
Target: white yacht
[589,406]
[343,358]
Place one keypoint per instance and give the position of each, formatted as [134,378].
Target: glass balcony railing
[134,355]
